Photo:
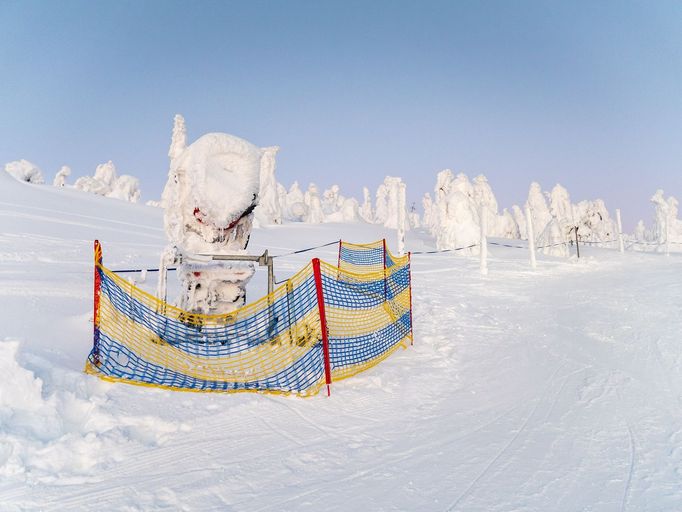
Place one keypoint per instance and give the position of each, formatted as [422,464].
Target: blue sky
[587,94]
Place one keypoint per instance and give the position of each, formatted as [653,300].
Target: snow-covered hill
[553,389]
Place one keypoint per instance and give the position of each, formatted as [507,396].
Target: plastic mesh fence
[272,345]
[368,316]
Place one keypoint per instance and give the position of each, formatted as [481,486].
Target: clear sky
[587,94]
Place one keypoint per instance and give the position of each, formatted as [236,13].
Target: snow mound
[45,437]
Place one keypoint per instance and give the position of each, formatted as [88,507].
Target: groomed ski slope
[554,389]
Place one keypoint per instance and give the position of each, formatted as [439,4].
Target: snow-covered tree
[295,203]
[60,177]
[269,209]
[106,182]
[520,219]
[539,211]
[667,227]
[507,226]
[429,217]
[314,214]
[381,203]
[413,217]
[178,139]
[366,211]
[126,188]
[23,170]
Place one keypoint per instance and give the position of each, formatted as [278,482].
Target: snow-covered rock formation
[23,170]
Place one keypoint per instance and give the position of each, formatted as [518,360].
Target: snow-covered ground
[552,389]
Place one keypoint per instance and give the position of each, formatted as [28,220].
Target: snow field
[550,389]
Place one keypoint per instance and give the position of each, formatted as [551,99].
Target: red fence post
[409,287]
[323,323]
[97,288]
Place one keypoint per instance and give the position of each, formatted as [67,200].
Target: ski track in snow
[554,389]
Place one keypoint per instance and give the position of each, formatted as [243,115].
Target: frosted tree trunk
[401,219]
[621,245]
[531,237]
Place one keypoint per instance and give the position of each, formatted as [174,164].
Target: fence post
[621,245]
[385,278]
[484,240]
[97,290]
[409,287]
[667,233]
[531,237]
[401,219]
[323,324]
[577,247]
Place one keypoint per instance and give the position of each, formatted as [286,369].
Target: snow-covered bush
[23,170]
